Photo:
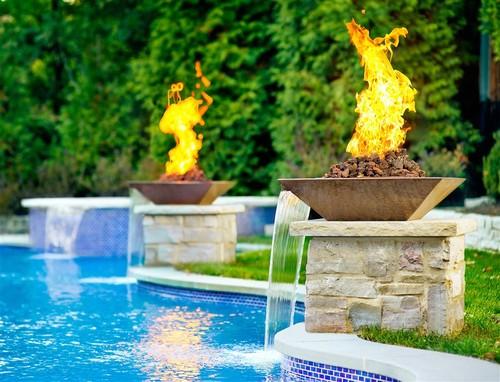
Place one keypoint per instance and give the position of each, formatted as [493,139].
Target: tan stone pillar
[394,275]
[189,233]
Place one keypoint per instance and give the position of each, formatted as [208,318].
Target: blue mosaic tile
[206,296]
[298,370]
[210,296]
[102,232]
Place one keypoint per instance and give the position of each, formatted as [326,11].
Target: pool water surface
[81,319]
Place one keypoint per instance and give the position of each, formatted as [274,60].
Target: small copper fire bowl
[378,198]
[182,192]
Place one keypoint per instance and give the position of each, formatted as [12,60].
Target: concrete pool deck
[402,363]
[172,277]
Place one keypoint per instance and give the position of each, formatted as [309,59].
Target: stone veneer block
[394,275]
[189,234]
[412,228]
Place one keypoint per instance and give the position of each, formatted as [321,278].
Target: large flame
[389,94]
[179,119]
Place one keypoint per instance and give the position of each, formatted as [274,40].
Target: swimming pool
[80,319]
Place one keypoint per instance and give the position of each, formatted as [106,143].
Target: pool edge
[169,276]
[402,363]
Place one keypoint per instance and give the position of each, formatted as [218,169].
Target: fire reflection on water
[172,349]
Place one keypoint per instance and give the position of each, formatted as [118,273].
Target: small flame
[179,119]
[389,94]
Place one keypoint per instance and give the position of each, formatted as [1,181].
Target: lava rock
[196,174]
[393,163]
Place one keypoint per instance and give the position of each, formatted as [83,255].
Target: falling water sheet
[61,229]
[284,268]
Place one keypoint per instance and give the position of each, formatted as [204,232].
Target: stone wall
[14,224]
[487,235]
[389,282]
[392,283]
[170,239]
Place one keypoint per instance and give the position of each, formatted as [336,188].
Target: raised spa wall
[102,230]
[104,226]
[394,275]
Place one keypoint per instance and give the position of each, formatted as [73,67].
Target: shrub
[444,163]
[491,170]
[111,175]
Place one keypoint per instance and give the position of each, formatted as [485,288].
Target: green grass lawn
[481,334]
[258,239]
[248,265]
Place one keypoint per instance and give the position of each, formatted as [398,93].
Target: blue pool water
[81,319]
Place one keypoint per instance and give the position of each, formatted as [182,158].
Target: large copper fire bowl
[384,198]
[182,192]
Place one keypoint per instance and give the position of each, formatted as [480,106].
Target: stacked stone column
[394,275]
[189,233]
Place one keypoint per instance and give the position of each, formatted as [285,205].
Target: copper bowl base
[377,198]
[182,192]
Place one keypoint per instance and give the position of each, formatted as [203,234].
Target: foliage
[482,312]
[232,40]
[27,122]
[444,163]
[490,23]
[66,104]
[320,74]
[491,170]
[83,84]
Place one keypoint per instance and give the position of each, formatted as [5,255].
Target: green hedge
[491,170]
[320,74]
[83,84]
[233,41]
[490,23]
[70,123]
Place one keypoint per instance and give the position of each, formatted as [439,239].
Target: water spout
[284,269]
[61,229]
[135,248]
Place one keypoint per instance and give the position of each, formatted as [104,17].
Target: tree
[490,23]
[320,74]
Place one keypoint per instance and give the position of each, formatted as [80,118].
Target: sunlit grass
[248,265]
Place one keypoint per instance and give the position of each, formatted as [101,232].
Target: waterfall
[284,269]
[61,228]
[135,252]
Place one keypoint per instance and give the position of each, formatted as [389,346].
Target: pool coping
[170,276]
[189,209]
[124,201]
[249,201]
[403,363]
[84,203]
[15,240]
